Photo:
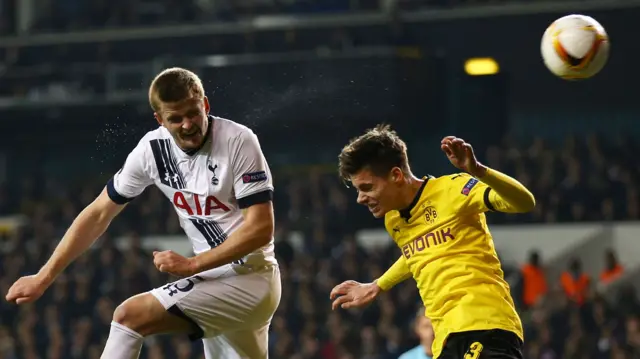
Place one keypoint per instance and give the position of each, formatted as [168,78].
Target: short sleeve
[471,195]
[252,176]
[132,179]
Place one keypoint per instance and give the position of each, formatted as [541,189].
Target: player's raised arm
[253,189]
[90,224]
[500,192]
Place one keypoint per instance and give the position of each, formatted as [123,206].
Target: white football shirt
[208,188]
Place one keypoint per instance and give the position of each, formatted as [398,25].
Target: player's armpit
[255,232]
[506,194]
[397,273]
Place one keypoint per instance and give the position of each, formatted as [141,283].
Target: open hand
[26,290]
[461,155]
[173,263]
[352,294]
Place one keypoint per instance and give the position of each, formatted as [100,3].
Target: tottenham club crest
[214,178]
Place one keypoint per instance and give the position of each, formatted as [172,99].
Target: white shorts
[232,309]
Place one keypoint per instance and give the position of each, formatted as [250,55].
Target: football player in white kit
[214,173]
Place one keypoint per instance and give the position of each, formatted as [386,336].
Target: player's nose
[362,199]
[187,123]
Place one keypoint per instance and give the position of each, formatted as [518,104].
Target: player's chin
[191,142]
[377,211]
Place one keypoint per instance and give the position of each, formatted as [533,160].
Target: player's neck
[411,190]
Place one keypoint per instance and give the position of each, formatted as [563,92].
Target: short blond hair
[173,85]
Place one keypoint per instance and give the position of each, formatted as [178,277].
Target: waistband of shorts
[500,333]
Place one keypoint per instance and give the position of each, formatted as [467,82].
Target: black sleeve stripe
[487,202]
[256,198]
[116,197]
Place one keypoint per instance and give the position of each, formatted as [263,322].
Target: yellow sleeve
[397,273]
[494,192]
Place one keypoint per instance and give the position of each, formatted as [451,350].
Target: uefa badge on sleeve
[467,187]
[254,177]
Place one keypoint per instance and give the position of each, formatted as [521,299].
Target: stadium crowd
[78,15]
[563,318]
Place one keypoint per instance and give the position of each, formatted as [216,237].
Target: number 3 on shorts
[474,351]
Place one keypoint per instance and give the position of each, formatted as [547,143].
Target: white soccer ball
[575,47]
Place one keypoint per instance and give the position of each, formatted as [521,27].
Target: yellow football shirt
[444,239]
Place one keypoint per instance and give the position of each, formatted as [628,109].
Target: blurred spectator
[424,331]
[575,283]
[612,270]
[534,282]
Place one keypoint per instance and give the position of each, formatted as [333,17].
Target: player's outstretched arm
[397,273]
[90,224]
[352,294]
[506,194]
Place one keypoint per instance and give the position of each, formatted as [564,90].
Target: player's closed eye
[193,113]
[174,119]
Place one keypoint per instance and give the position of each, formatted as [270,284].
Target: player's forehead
[365,177]
[182,106]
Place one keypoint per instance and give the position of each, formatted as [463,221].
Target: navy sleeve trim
[256,198]
[487,202]
[116,197]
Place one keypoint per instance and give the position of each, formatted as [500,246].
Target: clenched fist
[173,263]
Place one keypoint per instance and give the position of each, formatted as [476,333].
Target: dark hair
[534,257]
[172,85]
[575,264]
[379,150]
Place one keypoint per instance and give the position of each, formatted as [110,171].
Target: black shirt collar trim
[406,212]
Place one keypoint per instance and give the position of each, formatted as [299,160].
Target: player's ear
[397,175]
[157,117]
[207,107]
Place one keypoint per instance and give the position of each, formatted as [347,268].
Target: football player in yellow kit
[440,227]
